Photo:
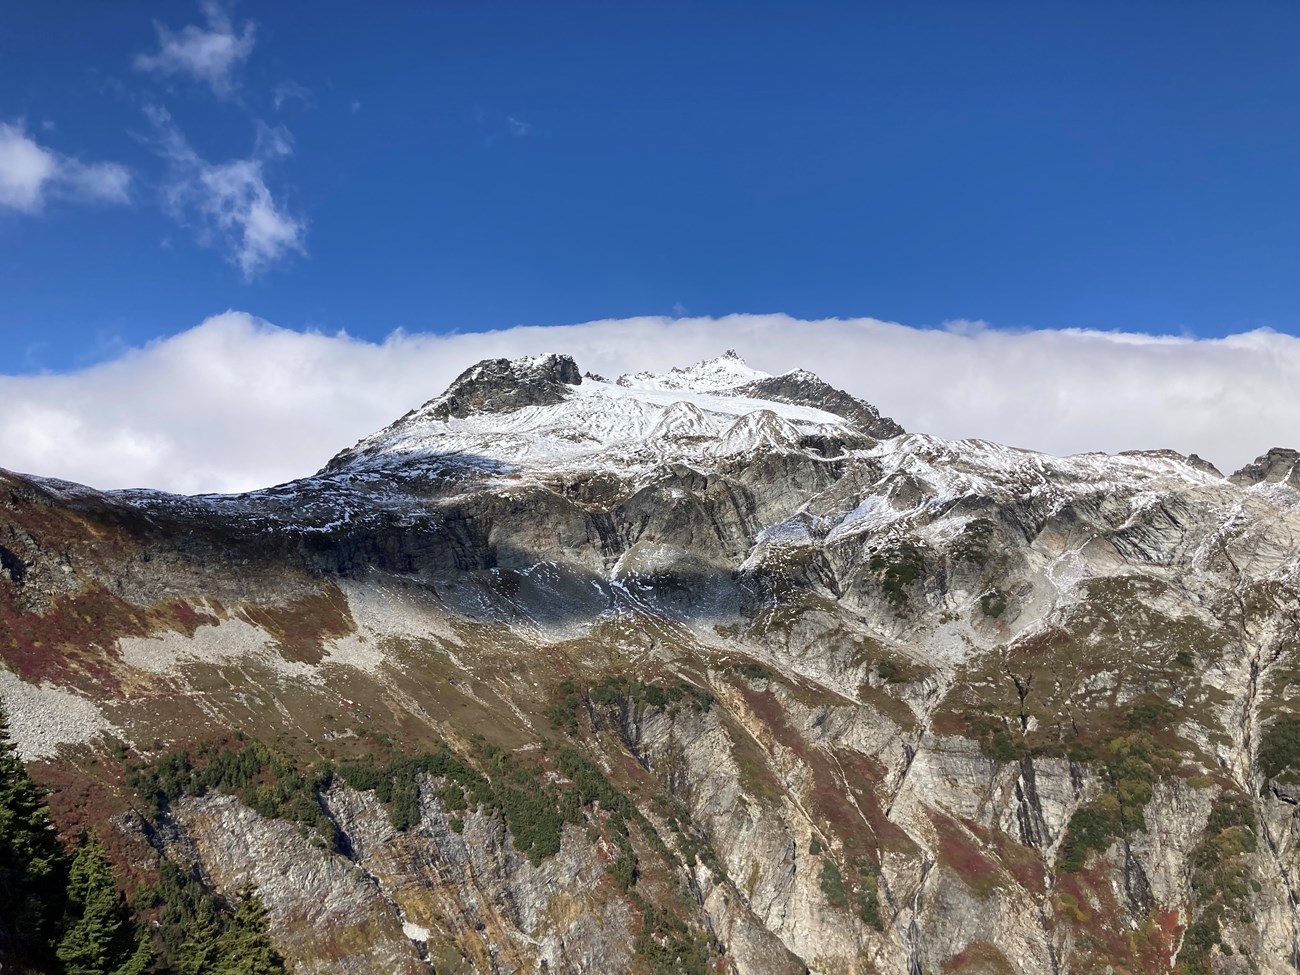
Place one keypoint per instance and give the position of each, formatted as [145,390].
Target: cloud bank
[237,403]
[30,173]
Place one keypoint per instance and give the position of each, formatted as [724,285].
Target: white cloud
[25,170]
[30,174]
[287,91]
[236,403]
[229,204]
[208,54]
[104,182]
[518,127]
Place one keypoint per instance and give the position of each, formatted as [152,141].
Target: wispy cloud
[288,91]
[496,124]
[229,204]
[210,54]
[31,173]
[237,403]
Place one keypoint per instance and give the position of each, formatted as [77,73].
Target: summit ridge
[541,412]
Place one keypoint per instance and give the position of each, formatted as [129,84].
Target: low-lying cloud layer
[237,403]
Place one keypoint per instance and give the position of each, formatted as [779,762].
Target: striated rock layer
[782,687]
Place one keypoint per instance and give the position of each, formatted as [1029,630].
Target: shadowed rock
[1278,466]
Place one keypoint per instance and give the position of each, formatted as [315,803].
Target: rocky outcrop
[502,385]
[1278,466]
[805,389]
[326,914]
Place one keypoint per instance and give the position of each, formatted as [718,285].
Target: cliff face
[733,684]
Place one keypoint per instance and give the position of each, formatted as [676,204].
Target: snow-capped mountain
[539,413]
[704,671]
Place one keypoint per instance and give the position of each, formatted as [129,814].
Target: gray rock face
[872,702]
[306,890]
[804,389]
[502,385]
[1278,466]
[13,566]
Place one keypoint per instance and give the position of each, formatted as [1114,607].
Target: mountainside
[695,672]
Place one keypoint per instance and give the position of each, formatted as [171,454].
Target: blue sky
[457,166]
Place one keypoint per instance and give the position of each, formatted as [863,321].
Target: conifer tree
[191,922]
[33,865]
[245,948]
[98,937]
[199,935]
[142,961]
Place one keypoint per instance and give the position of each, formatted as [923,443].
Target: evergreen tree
[200,937]
[142,961]
[98,937]
[198,953]
[33,865]
[245,948]
[190,921]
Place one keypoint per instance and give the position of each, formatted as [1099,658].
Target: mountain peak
[502,385]
[723,372]
[539,412]
[1280,465]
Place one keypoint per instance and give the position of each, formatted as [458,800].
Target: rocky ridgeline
[703,671]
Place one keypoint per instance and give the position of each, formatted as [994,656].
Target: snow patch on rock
[416,932]
[727,371]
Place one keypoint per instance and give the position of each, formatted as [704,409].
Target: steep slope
[703,671]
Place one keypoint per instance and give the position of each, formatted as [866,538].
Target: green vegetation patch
[899,670]
[623,692]
[858,883]
[265,780]
[749,670]
[1220,881]
[898,565]
[536,799]
[197,932]
[833,883]
[1279,751]
[620,690]
[670,947]
[1131,758]
[1114,665]
[1132,763]
[868,898]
